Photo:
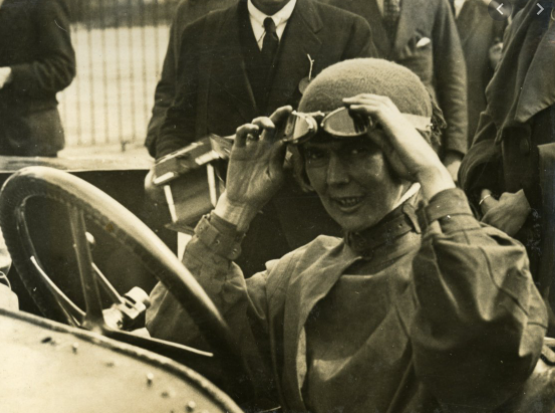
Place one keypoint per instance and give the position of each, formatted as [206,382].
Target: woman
[417,308]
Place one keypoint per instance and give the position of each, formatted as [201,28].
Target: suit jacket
[478,33]
[187,11]
[438,61]
[35,42]
[214,95]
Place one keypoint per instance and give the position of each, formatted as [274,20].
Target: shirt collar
[458,6]
[279,18]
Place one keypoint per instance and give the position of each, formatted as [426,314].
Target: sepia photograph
[277,206]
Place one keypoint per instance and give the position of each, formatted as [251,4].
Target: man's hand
[409,154]
[452,162]
[5,76]
[508,214]
[255,170]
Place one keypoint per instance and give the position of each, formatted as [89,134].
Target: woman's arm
[479,321]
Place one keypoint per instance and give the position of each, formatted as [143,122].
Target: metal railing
[120,46]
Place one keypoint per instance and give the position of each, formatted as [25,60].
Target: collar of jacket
[397,223]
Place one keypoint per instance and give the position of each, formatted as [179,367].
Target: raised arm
[479,320]
[473,314]
[254,174]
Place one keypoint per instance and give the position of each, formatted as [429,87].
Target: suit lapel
[306,289]
[230,64]
[298,41]
[411,10]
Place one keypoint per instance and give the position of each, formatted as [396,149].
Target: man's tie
[391,13]
[270,43]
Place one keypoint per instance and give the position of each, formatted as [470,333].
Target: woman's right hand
[409,154]
[255,170]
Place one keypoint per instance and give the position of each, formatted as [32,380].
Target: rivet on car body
[149,378]
[190,407]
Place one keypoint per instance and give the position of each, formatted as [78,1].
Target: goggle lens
[300,127]
[345,123]
[341,122]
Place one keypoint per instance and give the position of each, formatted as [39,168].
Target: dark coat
[186,12]
[439,63]
[35,42]
[519,119]
[520,98]
[478,33]
[214,96]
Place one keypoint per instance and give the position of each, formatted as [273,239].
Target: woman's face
[353,179]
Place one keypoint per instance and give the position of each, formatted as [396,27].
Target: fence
[120,46]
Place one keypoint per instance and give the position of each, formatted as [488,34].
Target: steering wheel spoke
[94,318]
[117,224]
[75,315]
[108,288]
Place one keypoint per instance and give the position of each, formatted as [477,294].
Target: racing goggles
[341,123]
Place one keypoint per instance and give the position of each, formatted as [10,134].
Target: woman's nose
[337,171]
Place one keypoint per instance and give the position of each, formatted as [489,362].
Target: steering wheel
[84,204]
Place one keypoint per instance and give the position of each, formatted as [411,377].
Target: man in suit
[187,11]
[36,61]
[481,40]
[508,172]
[422,36]
[245,61]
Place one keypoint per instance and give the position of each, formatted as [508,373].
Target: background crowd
[225,68]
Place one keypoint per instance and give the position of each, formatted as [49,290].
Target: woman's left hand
[410,155]
[255,169]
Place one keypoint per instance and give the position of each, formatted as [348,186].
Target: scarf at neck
[395,224]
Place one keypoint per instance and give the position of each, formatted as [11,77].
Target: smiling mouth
[348,203]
